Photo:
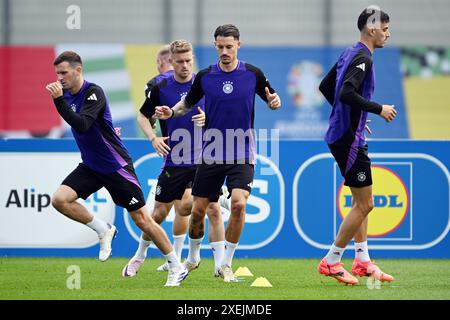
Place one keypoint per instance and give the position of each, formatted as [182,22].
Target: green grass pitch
[292,279]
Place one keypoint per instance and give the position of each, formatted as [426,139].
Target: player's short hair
[227,30]
[370,16]
[68,56]
[163,53]
[180,46]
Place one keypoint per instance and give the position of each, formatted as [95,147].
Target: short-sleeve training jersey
[168,92]
[229,106]
[155,80]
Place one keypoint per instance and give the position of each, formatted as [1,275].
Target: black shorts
[210,178]
[173,181]
[122,185]
[359,174]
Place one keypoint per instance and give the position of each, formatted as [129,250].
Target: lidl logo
[406,188]
[390,197]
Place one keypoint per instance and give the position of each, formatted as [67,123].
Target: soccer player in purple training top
[349,87]
[180,223]
[164,67]
[183,146]
[106,163]
[229,88]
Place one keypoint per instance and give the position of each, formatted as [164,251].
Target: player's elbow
[323,87]
[82,124]
[82,128]
[140,118]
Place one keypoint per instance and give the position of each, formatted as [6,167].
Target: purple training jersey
[346,122]
[100,146]
[185,138]
[229,108]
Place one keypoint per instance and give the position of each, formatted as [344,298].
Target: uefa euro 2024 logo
[303,84]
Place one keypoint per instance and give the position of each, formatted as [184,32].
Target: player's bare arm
[158,143]
[179,110]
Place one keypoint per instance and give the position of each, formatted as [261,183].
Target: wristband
[173,112]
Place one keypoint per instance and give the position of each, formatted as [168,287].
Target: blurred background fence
[293,41]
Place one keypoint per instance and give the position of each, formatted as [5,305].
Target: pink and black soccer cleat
[370,269]
[336,271]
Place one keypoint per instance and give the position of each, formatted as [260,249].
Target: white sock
[141,252]
[218,249]
[178,243]
[229,253]
[172,260]
[98,225]
[194,250]
[334,255]
[362,251]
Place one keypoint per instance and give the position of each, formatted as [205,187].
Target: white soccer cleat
[223,200]
[175,276]
[132,267]
[190,266]
[163,267]
[227,274]
[105,243]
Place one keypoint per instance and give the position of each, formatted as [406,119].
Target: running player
[229,88]
[106,163]
[349,87]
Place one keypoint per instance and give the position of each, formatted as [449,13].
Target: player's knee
[158,217]
[365,206]
[238,207]
[214,216]
[58,202]
[159,214]
[139,219]
[185,208]
[199,210]
[197,216]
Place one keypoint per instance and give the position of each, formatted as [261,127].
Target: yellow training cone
[261,282]
[243,272]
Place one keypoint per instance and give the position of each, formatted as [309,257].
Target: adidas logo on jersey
[92,97]
[133,201]
[362,66]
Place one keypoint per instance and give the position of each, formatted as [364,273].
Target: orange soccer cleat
[336,271]
[370,269]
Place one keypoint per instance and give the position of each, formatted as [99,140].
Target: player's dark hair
[369,16]
[69,56]
[227,30]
